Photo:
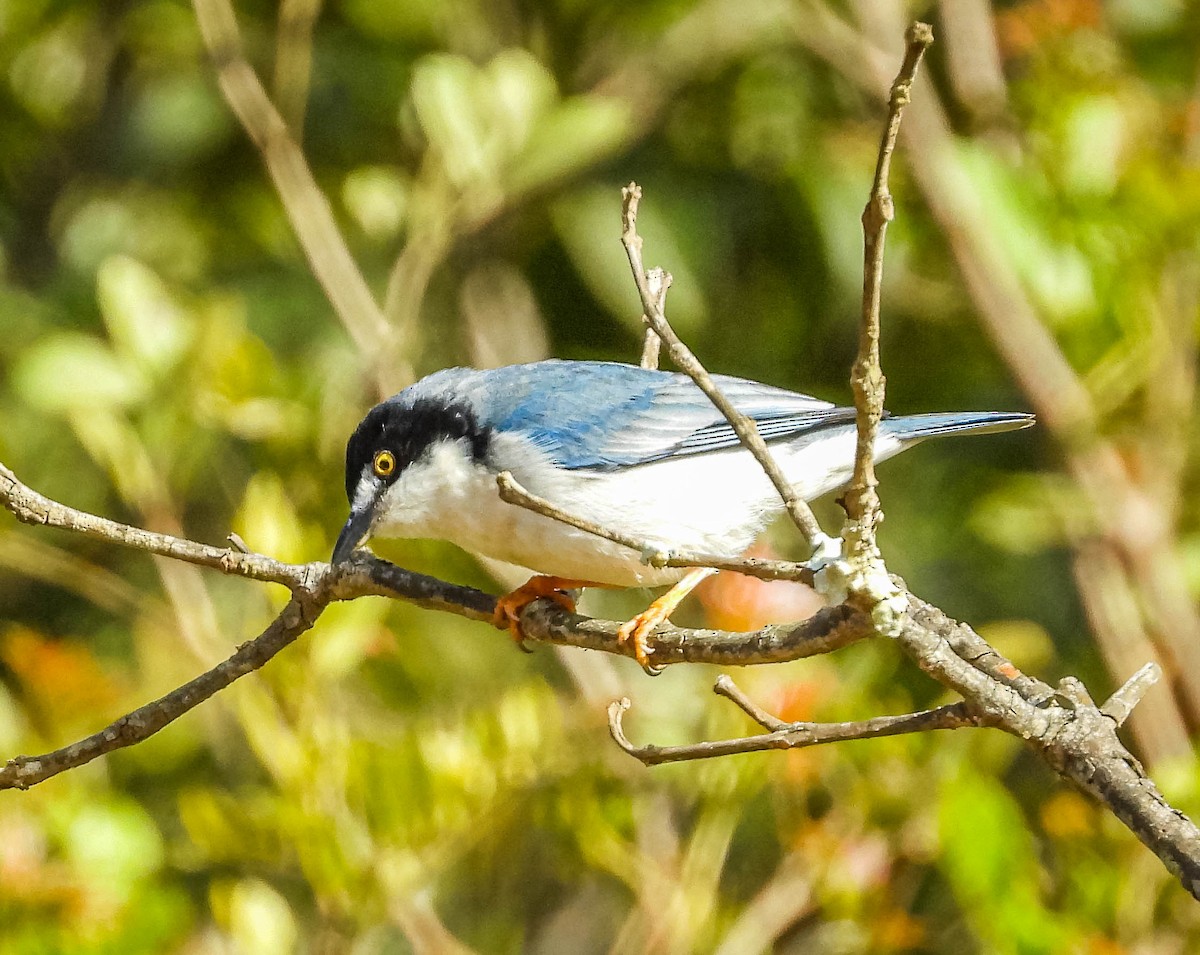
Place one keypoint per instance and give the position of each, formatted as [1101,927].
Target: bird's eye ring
[385,463]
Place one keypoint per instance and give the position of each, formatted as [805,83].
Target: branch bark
[787,735]
[866,379]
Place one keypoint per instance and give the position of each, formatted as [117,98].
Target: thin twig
[511,492]
[1145,549]
[862,500]
[30,507]
[306,207]
[681,355]
[1080,742]
[239,545]
[365,576]
[1118,706]
[731,691]
[789,735]
[658,281]
[21,772]
[1074,737]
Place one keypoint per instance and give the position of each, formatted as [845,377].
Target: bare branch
[306,206]
[366,575]
[511,492]
[30,507]
[862,501]
[743,426]
[315,585]
[658,281]
[788,735]
[1075,737]
[727,688]
[1118,706]
[22,772]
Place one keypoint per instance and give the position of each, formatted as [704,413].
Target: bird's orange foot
[638,630]
[510,606]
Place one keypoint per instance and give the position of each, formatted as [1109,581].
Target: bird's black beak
[356,530]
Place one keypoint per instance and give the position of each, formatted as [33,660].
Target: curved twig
[786,735]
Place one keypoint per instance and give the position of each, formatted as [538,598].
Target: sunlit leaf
[68,370]
[445,93]
[377,197]
[580,132]
[144,321]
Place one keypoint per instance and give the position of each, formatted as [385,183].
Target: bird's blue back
[607,415]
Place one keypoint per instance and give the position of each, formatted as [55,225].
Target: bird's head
[389,451]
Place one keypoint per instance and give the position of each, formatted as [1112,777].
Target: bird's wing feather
[605,415]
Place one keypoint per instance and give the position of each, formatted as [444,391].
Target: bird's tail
[919,426]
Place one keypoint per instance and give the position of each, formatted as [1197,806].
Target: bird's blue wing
[606,415]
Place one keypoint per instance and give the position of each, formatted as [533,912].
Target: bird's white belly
[715,503]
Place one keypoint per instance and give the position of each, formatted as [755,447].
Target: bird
[632,449]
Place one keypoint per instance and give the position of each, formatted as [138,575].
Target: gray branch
[783,735]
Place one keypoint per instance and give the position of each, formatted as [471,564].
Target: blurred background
[207,275]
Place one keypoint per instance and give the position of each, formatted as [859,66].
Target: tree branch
[306,207]
[21,772]
[512,492]
[866,379]
[315,585]
[783,735]
[743,425]
[1074,736]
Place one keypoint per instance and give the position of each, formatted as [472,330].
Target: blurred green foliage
[402,779]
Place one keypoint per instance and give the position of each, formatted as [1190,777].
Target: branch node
[240,545]
[1118,706]
[1075,694]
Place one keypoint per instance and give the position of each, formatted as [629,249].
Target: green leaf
[68,371]
[581,131]
[992,862]
[521,91]
[145,323]
[446,97]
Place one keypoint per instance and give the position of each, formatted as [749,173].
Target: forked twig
[512,492]
[743,425]
[1065,727]
[782,735]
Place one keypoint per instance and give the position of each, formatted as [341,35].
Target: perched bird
[639,451]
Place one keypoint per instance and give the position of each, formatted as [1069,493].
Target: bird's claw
[509,608]
[636,631]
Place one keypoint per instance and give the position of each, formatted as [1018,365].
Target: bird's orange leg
[509,607]
[641,626]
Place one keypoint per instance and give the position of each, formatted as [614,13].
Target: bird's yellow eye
[385,463]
